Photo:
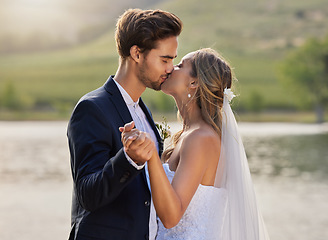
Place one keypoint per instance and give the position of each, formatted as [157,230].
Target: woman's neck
[190,113]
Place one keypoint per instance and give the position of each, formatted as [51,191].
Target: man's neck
[127,78]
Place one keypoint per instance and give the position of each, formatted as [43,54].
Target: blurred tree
[256,101]
[306,69]
[10,99]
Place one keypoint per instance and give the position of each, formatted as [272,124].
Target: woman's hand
[129,134]
[137,144]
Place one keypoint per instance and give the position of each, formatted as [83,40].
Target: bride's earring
[189,95]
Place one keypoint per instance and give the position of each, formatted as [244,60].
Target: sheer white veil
[243,220]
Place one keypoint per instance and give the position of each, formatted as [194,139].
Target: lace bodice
[203,218]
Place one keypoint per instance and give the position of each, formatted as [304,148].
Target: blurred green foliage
[306,70]
[9,97]
[253,35]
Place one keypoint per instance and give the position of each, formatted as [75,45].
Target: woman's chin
[164,91]
[164,88]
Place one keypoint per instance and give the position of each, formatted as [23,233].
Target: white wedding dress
[229,210]
[203,218]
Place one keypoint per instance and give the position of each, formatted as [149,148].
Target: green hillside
[253,35]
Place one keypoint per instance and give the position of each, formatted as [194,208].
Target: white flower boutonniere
[229,94]
[164,129]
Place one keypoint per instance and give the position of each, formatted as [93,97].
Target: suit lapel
[118,100]
[121,108]
[124,112]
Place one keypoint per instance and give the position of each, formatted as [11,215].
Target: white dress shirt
[141,123]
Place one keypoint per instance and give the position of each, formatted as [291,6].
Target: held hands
[137,144]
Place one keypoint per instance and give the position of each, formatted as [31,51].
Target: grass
[298,117]
[252,35]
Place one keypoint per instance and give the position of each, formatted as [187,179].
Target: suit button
[147,203]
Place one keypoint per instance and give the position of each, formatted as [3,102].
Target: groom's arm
[99,172]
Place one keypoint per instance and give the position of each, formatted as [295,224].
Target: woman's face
[179,80]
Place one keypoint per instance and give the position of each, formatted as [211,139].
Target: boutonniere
[164,129]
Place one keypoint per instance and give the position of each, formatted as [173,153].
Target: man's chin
[156,87]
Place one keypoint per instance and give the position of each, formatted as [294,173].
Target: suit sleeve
[99,171]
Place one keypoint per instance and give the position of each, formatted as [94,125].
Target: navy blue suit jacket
[111,199]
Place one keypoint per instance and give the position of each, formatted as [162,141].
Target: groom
[111,197]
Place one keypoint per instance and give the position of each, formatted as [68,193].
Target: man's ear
[135,53]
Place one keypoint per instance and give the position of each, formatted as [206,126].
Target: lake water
[289,165]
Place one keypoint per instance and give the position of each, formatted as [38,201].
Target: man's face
[157,64]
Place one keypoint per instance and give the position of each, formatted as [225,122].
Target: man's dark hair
[143,28]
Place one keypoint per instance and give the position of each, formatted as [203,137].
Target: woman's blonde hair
[213,74]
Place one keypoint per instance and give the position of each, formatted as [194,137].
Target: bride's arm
[197,151]
[171,200]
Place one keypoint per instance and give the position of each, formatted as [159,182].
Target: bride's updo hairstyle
[214,75]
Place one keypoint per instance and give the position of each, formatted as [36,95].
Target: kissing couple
[124,186]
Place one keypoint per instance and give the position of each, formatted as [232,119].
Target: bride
[204,189]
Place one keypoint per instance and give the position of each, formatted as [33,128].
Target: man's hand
[137,144]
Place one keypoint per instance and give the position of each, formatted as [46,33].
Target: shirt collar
[127,98]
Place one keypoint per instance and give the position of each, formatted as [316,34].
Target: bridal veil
[243,220]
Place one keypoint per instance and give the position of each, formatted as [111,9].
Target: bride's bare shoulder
[203,132]
[203,139]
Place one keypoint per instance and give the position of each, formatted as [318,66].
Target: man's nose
[169,68]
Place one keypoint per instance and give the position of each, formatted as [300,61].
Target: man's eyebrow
[169,57]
